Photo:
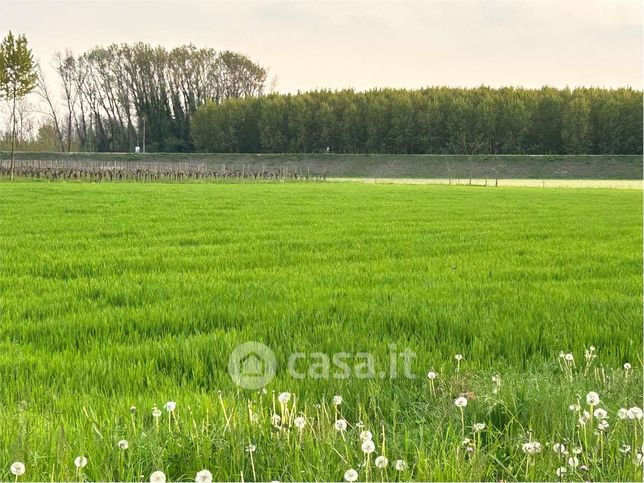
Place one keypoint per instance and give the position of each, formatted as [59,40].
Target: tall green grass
[121,295]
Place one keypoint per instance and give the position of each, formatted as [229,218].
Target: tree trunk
[13,133]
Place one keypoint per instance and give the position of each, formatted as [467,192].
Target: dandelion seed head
[341,425]
[204,476]
[157,477]
[592,398]
[381,462]
[132,409]
[478,427]
[574,407]
[80,462]
[573,462]
[284,397]
[627,366]
[337,400]
[460,402]
[366,436]
[276,419]
[431,375]
[156,412]
[17,468]
[603,425]
[562,470]
[559,448]
[400,465]
[350,475]
[123,444]
[577,450]
[251,448]
[368,446]
[532,447]
[625,449]
[600,413]
[622,413]
[299,422]
[634,413]
[569,357]
[170,406]
[458,357]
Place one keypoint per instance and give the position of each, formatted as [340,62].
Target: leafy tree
[18,77]
[441,120]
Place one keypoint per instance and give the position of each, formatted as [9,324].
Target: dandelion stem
[252,465]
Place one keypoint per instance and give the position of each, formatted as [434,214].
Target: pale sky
[365,44]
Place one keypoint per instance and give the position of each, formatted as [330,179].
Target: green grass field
[120,295]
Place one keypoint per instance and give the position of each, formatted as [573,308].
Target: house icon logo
[252,365]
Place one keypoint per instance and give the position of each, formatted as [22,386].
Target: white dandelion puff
[592,398]
[350,475]
[204,476]
[381,462]
[17,468]
[337,400]
[368,447]
[400,465]
[340,425]
[80,462]
[276,419]
[156,412]
[622,413]
[627,366]
[569,357]
[251,448]
[284,397]
[478,427]
[458,357]
[561,471]
[634,413]
[573,462]
[532,447]
[574,408]
[460,402]
[366,436]
[170,406]
[157,477]
[431,375]
[559,448]
[600,413]
[625,449]
[299,422]
[123,444]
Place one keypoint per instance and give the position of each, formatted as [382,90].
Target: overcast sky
[364,44]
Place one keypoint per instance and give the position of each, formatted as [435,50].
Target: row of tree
[117,97]
[433,120]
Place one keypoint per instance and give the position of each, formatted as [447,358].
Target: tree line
[115,96]
[435,120]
